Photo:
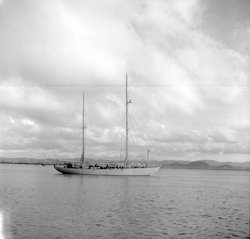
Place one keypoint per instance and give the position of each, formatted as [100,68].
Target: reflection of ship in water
[115,169]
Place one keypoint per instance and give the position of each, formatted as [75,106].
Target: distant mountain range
[202,164]
[206,164]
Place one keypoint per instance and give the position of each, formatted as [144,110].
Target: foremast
[83,149]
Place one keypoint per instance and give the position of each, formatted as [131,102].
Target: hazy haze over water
[38,202]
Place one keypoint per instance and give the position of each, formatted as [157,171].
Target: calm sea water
[38,202]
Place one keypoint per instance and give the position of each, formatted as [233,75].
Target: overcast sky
[187,65]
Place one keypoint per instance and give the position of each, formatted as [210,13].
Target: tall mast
[82,158]
[127,102]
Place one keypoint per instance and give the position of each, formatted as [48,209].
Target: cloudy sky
[188,72]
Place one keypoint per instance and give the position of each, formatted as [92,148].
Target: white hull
[147,171]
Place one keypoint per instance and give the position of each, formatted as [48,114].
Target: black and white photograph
[124,119]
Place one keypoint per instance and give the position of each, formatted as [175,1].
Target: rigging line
[248,92]
[113,109]
[121,149]
[69,120]
[85,124]
[117,97]
[136,136]
[139,127]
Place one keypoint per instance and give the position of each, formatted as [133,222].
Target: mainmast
[82,158]
[127,102]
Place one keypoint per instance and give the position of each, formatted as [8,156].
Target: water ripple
[39,203]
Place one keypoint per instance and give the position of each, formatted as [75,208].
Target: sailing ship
[125,168]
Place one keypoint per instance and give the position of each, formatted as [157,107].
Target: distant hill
[224,167]
[212,163]
[233,164]
[176,165]
[190,165]
[202,165]
[198,165]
